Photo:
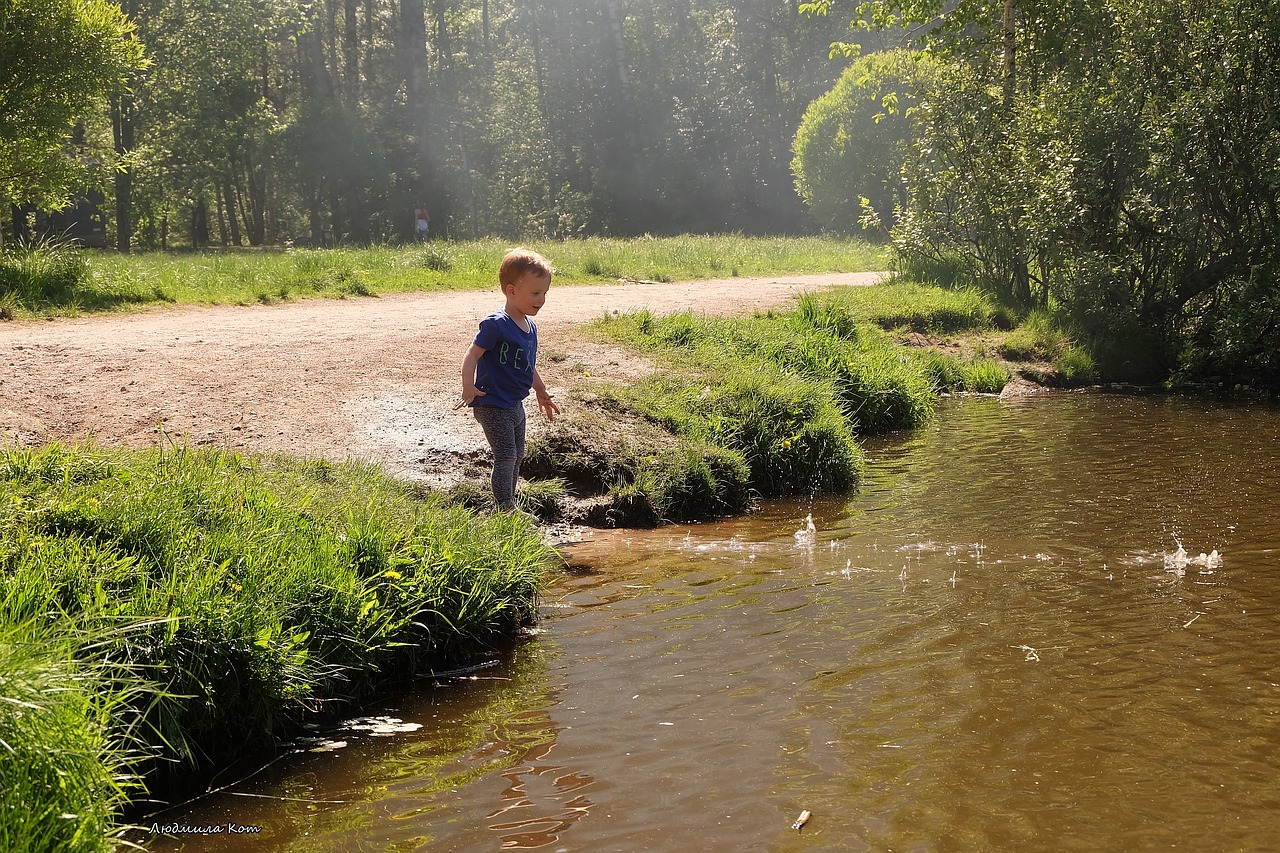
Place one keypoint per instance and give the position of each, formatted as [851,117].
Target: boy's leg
[499,427]
[519,423]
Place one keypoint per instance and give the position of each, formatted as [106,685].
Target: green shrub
[850,145]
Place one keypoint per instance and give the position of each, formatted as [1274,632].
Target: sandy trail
[374,378]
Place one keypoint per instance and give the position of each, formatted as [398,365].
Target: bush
[852,141]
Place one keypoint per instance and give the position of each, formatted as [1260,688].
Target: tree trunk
[351,53]
[257,204]
[122,132]
[1010,53]
[200,225]
[220,209]
[443,48]
[414,24]
[233,222]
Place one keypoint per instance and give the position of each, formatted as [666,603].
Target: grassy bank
[763,406]
[247,594]
[58,280]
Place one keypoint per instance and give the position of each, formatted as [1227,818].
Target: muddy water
[995,646]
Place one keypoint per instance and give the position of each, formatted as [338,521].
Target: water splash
[1180,560]
[808,534]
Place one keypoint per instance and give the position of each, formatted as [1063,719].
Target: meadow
[59,280]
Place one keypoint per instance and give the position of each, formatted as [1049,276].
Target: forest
[1115,161]
[255,122]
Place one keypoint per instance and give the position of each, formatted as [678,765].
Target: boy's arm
[546,404]
[469,389]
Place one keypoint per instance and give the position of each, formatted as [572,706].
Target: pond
[1050,624]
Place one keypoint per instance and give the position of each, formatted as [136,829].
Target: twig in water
[466,670]
[1193,618]
[290,799]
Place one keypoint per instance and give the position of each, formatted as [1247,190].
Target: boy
[499,368]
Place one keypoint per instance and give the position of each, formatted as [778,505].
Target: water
[989,648]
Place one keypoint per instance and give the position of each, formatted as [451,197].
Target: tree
[58,61]
[853,142]
[1121,160]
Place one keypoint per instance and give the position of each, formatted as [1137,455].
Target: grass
[647,474]
[58,280]
[922,307]
[67,745]
[876,385]
[1047,336]
[265,591]
[762,406]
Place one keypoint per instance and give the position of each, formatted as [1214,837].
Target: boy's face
[527,293]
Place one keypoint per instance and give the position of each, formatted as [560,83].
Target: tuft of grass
[789,431]
[1039,338]
[54,277]
[544,499]
[67,737]
[1076,366]
[648,475]
[948,373]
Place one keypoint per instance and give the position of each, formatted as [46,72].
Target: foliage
[58,59]
[1119,160]
[852,142]
[263,121]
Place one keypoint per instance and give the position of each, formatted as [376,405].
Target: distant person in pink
[421,223]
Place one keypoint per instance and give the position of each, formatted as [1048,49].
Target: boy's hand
[547,405]
[469,394]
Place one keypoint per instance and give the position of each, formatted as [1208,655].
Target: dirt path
[374,378]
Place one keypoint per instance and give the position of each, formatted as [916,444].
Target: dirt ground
[374,378]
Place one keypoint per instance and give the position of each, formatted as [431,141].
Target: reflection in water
[995,646]
[533,812]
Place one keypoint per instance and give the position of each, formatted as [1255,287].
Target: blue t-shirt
[505,371]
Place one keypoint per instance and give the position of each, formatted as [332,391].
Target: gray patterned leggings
[504,428]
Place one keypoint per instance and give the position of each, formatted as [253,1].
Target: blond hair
[520,261]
